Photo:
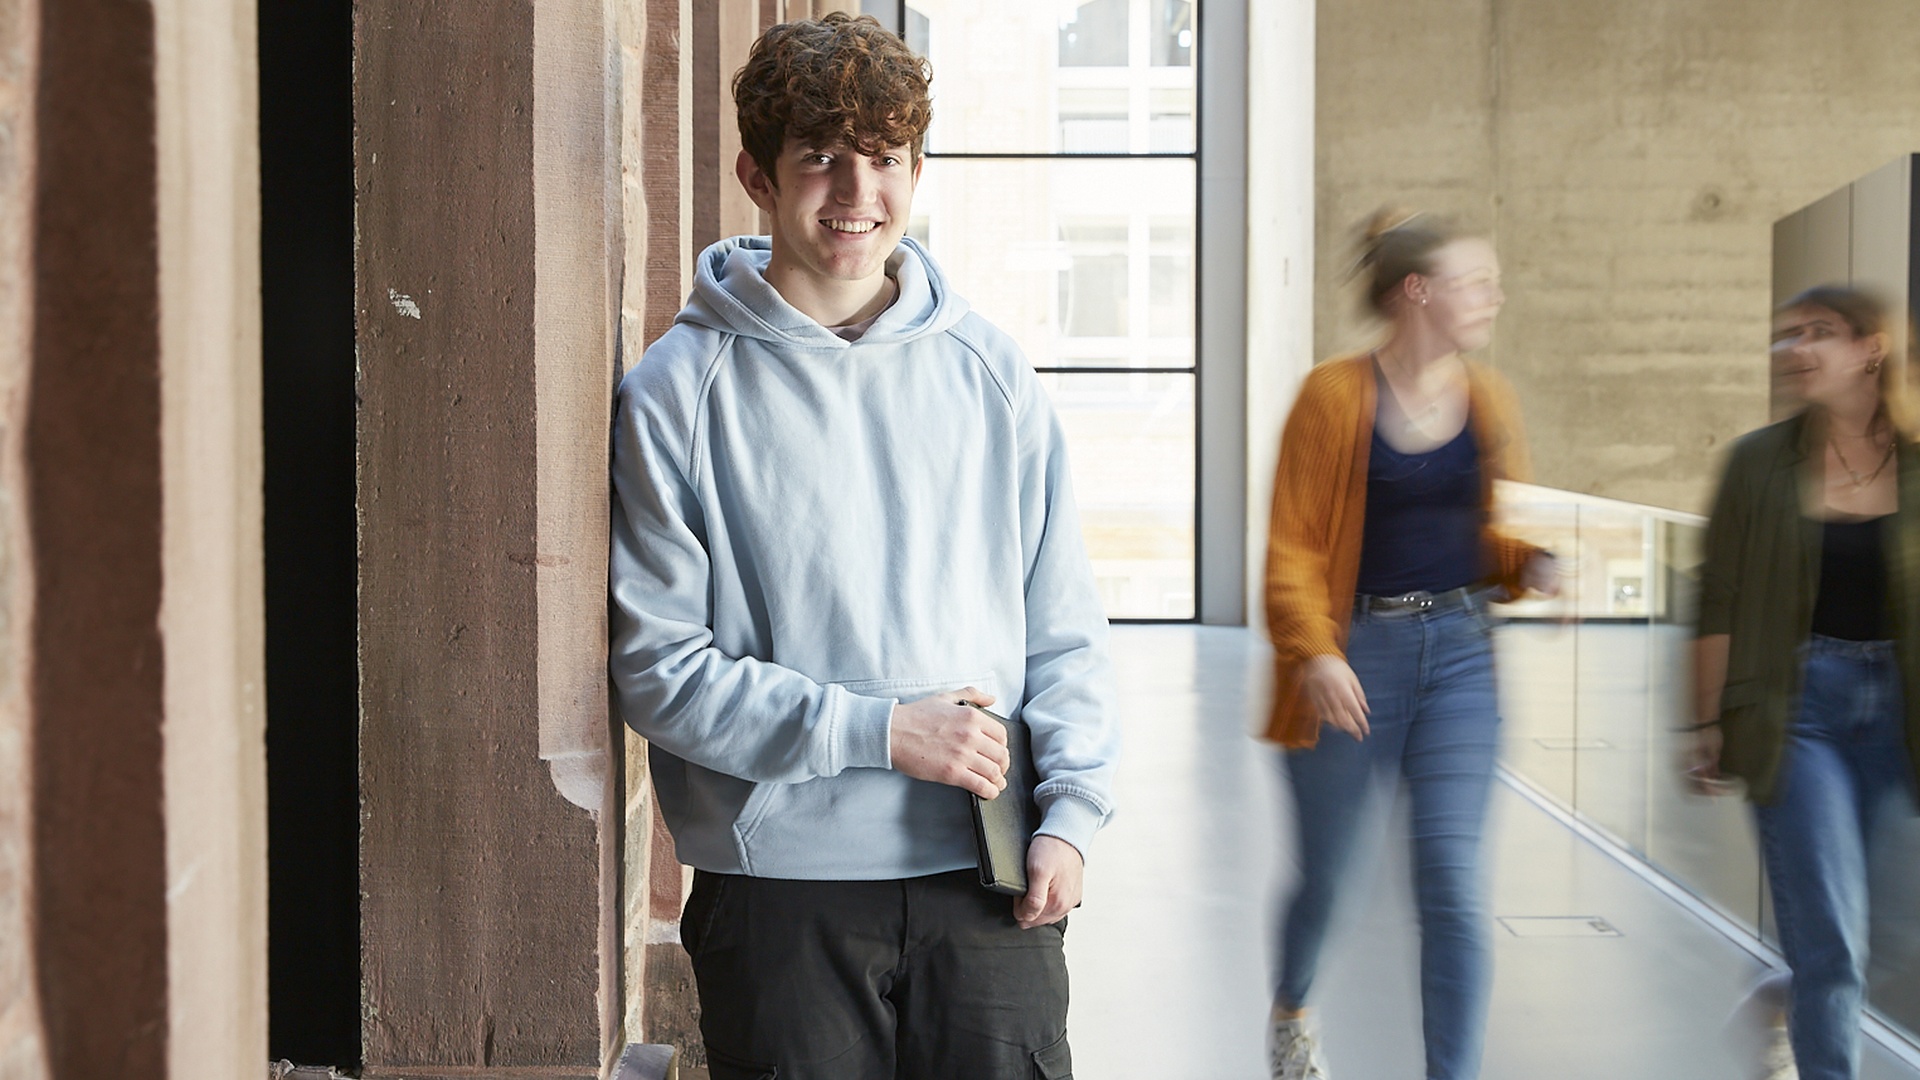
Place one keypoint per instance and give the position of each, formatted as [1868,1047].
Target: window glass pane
[1093,296]
[1170,295]
[1170,125]
[1058,76]
[919,32]
[1093,121]
[888,12]
[1172,33]
[1095,35]
[1085,263]
[1131,440]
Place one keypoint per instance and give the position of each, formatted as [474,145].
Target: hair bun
[1396,242]
[1385,220]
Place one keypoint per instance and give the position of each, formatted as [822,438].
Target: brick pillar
[679,141]
[213,615]
[578,238]
[22,1048]
[660,192]
[96,680]
[483,924]
[633,27]
[723,33]
[664,103]
[132,848]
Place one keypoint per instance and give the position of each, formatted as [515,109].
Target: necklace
[1416,423]
[1858,480]
[1411,423]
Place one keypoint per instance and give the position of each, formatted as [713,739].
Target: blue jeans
[1435,722]
[1845,771]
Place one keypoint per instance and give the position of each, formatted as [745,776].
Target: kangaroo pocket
[911,689]
[863,823]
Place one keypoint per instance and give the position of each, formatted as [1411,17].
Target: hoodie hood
[731,294]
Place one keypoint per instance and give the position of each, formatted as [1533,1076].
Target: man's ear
[919,161]
[760,187]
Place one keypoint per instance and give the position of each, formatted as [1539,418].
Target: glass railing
[1594,693]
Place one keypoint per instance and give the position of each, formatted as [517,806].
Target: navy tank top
[1424,518]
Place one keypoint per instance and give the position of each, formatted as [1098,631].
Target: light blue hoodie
[806,531]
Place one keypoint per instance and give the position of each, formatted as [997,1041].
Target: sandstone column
[482,918]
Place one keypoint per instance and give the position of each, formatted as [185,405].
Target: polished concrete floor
[1171,953]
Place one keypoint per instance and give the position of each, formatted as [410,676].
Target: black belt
[1464,598]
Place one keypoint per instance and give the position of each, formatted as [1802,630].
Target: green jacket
[1760,579]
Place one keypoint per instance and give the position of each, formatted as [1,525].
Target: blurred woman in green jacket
[1808,639]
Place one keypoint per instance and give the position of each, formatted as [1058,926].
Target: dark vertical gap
[313,798]
[1913,261]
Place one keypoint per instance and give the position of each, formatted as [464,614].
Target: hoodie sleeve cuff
[863,735]
[1073,819]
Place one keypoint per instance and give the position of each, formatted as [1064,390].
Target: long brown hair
[1866,315]
[1393,244]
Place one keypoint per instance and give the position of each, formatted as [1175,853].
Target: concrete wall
[1629,160]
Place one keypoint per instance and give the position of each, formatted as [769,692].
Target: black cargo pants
[918,979]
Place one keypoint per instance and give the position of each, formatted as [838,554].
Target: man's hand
[1335,694]
[937,738]
[1054,873]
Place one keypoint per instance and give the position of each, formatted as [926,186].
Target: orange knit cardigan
[1319,511]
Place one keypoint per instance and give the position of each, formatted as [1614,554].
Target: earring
[1873,367]
[1423,301]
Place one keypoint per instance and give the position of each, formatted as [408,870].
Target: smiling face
[836,214]
[1462,296]
[1818,358]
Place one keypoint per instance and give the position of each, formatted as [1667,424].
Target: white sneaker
[1776,1061]
[1293,1053]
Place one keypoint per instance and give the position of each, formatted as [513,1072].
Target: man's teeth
[853,226]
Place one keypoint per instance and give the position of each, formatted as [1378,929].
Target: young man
[842,510]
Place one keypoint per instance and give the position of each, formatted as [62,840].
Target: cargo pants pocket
[726,1067]
[1054,1062]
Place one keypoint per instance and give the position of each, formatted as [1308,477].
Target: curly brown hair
[839,79]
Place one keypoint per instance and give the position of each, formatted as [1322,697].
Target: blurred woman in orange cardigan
[1380,562]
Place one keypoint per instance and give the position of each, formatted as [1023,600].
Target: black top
[1852,603]
[1423,519]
